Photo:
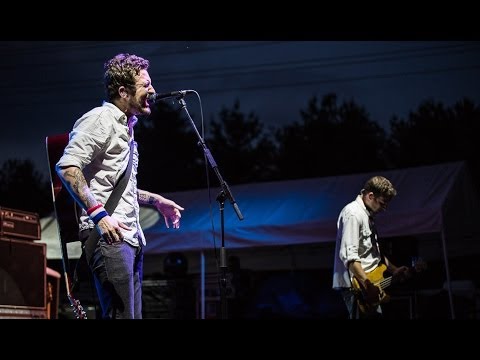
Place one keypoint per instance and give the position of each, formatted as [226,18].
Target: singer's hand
[110,229]
[170,211]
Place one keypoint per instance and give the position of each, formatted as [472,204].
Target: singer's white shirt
[100,145]
[353,243]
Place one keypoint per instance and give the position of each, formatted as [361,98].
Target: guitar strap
[374,236]
[110,206]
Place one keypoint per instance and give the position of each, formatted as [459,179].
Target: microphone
[153,98]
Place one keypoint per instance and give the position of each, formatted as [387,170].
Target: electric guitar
[377,278]
[66,213]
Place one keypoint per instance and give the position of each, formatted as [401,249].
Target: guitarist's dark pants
[117,271]
[350,297]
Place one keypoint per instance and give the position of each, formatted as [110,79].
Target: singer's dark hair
[121,71]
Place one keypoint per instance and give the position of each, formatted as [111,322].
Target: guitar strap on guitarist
[374,236]
[110,206]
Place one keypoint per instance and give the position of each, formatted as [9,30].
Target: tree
[435,133]
[330,140]
[170,159]
[22,187]
[241,147]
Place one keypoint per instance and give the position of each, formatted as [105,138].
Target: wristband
[97,214]
[93,208]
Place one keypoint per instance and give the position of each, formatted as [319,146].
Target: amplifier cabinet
[22,312]
[23,279]
[19,224]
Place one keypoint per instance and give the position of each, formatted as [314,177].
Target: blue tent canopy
[305,211]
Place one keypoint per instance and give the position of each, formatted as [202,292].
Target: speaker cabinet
[23,279]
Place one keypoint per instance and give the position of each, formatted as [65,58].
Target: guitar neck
[388,280]
[385,283]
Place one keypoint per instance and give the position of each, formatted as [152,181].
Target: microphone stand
[224,194]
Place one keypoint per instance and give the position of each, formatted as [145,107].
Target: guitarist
[357,252]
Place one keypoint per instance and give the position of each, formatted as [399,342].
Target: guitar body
[66,209]
[377,277]
[66,213]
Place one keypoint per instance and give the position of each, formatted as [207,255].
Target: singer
[100,148]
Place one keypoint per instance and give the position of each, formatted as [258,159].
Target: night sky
[46,86]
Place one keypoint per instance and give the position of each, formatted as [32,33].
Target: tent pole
[447,273]
[202,285]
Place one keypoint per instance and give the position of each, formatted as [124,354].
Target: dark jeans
[118,270]
[351,302]
[350,299]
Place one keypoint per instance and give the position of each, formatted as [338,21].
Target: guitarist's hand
[402,273]
[109,229]
[371,293]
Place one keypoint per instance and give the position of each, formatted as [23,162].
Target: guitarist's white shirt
[353,243]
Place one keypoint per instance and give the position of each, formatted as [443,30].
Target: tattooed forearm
[75,181]
[145,198]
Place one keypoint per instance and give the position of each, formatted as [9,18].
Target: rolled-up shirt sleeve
[87,139]
[350,239]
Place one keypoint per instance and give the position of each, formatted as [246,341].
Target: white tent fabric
[431,199]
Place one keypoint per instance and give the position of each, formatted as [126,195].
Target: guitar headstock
[77,308]
[403,273]
[418,264]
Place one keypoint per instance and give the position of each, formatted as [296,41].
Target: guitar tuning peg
[414,261]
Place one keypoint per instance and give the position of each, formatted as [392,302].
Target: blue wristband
[99,216]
